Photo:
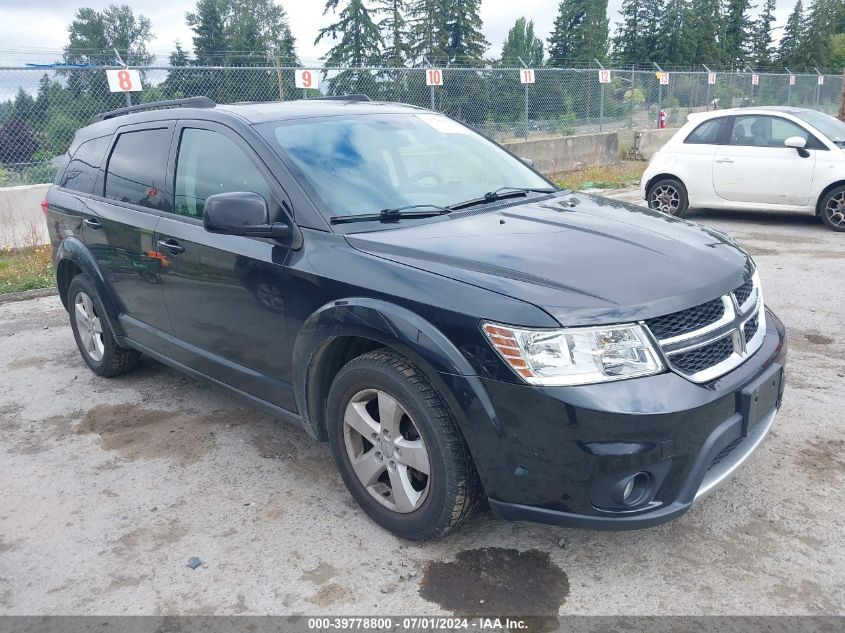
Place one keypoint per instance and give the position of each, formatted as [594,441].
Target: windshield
[834,129]
[367,163]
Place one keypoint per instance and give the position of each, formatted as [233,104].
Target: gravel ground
[108,487]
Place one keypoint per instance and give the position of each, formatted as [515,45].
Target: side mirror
[527,161]
[240,213]
[798,143]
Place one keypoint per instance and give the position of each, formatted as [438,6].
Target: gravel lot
[108,487]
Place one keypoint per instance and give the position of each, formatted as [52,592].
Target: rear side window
[706,133]
[84,165]
[210,163]
[137,169]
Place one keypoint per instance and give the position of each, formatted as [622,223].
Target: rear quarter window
[706,133]
[137,169]
[84,165]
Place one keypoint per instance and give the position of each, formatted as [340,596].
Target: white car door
[756,166]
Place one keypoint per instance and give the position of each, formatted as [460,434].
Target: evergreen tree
[761,38]
[260,32]
[579,33]
[521,43]
[209,27]
[179,57]
[793,35]
[676,45]
[428,37]
[814,50]
[394,32]
[736,45]
[358,44]
[629,45]
[705,33]
[466,43]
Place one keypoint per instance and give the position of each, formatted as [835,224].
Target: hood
[583,259]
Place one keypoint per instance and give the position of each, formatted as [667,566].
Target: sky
[36,31]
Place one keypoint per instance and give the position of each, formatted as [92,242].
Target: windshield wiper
[393,215]
[502,193]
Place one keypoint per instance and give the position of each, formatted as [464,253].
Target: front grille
[750,328]
[701,358]
[688,320]
[744,291]
[725,452]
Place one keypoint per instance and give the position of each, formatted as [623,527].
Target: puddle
[494,581]
[818,339]
[139,433]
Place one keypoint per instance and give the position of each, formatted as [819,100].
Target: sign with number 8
[124,80]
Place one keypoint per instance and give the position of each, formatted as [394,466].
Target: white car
[776,159]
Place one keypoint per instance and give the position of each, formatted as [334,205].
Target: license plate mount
[760,397]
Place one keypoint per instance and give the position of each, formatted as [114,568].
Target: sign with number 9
[306,79]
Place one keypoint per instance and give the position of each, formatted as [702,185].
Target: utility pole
[525,112]
[601,103]
[788,86]
[842,101]
[659,93]
[127,95]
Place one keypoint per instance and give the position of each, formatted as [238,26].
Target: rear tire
[669,196]
[832,209]
[93,333]
[387,426]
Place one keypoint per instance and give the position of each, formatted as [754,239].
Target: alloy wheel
[386,451]
[835,209]
[665,198]
[90,327]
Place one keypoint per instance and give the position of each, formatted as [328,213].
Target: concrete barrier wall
[21,220]
[564,153]
[650,141]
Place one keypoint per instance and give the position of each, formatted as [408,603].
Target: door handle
[93,223]
[724,160]
[171,246]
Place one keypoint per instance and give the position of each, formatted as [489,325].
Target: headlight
[575,356]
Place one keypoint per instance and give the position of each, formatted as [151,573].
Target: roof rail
[190,102]
[341,98]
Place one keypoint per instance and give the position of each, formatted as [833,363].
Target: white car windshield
[363,164]
[832,128]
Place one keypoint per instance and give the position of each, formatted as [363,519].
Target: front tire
[93,333]
[668,196]
[398,448]
[832,209]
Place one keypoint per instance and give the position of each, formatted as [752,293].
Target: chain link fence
[41,108]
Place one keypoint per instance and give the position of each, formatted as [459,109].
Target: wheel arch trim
[73,250]
[397,328]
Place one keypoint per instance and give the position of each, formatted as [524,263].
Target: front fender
[72,249]
[400,329]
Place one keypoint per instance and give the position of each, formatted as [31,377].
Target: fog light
[635,489]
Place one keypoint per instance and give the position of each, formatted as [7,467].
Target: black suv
[453,324]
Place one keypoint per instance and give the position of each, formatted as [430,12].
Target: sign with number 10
[433,77]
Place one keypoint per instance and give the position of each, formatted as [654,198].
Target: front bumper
[561,452]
